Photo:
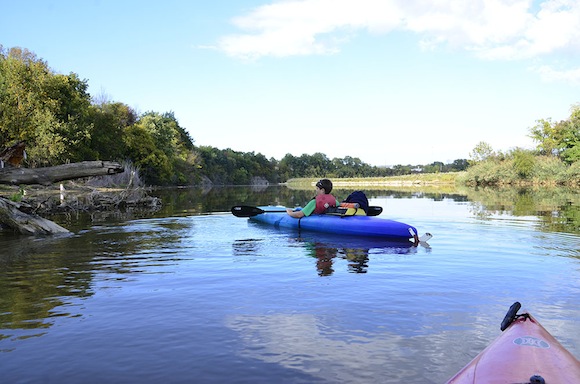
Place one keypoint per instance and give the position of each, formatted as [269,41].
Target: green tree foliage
[481,152]
[524,162]
[459,165]
[53,114]
[571,138]
[226,166]
[152,163]
[168,157]
[561,139]
[520,166]
[47,110]
[110,121]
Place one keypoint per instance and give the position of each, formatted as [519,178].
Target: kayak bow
[525,353]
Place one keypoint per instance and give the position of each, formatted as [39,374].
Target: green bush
[491,172]
[571,175]
[547,169]
[521,169]
[524,162]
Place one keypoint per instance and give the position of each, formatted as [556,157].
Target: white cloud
[306,27]
[491,29]
[554,28]
[550,74]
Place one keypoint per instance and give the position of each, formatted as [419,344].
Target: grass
[420,179]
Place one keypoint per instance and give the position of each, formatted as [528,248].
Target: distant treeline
[60,122]
[231,167]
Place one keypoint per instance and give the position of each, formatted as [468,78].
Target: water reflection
[357,258]
[39,273]
[35,280]
[44,278]
[324,256]
[557,208]
[326,249]
[315,346]
[181,279]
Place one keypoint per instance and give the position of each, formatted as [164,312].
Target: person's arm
[295,214]
[306,211]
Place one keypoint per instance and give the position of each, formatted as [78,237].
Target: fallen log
[19,217]
[13,216]
[49,175]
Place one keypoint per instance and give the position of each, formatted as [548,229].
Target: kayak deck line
[525,353]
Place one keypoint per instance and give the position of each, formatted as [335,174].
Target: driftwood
[19,217]
[49,175]
[13,216]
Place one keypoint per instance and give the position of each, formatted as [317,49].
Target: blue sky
[387,81]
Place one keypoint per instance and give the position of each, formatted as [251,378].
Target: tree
[46,110]
[571,137]
[481,152]
[560,139]
[544,133]
[459,165]
[110,121]
[152,162]
[524,162]
[169,148]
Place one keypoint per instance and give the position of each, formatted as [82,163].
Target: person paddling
[320,203]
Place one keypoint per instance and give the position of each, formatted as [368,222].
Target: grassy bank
[433,180]
[536,170]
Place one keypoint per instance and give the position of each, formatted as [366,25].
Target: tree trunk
[14,215]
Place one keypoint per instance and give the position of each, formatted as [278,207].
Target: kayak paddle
[249,211]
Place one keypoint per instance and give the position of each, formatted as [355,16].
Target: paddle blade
[374,210]
[426,237]
[246,211]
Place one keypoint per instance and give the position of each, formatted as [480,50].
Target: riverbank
[414,180]
[74,197]
[487,174]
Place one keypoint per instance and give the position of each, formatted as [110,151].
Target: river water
[192,294]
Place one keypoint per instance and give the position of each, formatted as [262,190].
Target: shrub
[524,162]
[571,175]
[491,172]
[547,168]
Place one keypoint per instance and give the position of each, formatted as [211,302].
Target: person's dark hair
[325,184]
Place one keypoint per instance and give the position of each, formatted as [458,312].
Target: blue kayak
[360,226]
